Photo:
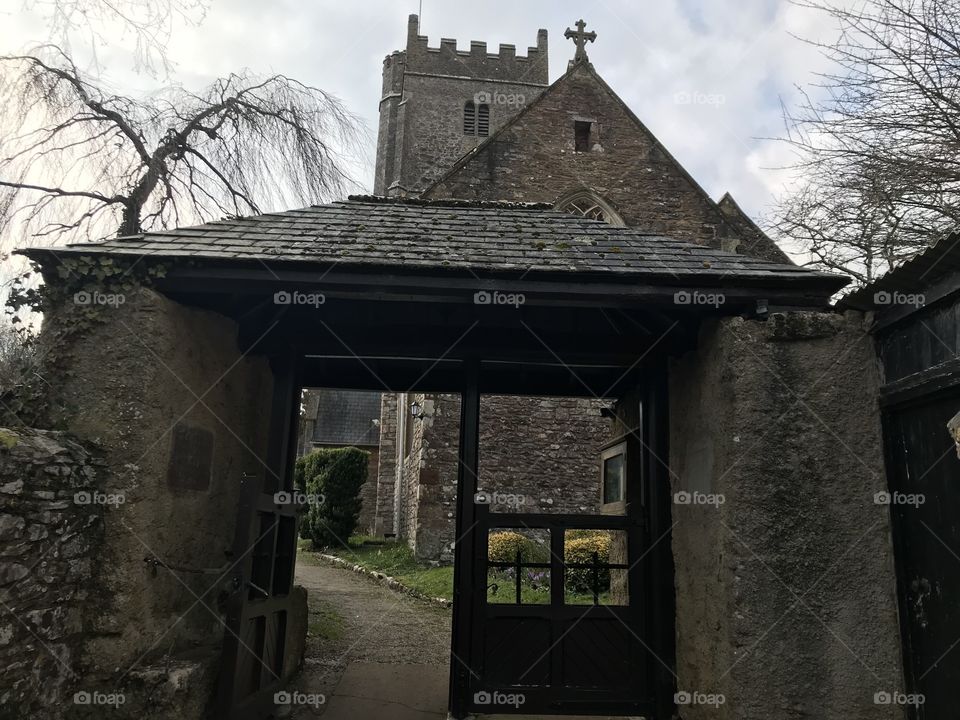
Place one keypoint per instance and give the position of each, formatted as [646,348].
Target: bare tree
[146,24]
[80,159]
[878,137]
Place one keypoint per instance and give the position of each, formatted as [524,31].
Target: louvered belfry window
[470,119]
[476,119]
[483,120]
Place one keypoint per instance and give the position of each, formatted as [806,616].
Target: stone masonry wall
[51,533]
[543,450]
[785,590]
[535,160]
[385,521]
[424,92]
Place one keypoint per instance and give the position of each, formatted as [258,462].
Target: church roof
[408,234]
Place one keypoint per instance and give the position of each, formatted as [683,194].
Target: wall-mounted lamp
[416,410]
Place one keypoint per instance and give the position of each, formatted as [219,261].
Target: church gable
[580,137]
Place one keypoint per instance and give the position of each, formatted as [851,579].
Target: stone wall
[534,160]
[54,494]
[543,450]
[785,583]
[385,522]
[150,382]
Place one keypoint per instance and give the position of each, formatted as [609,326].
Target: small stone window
[582,130]
[476,119]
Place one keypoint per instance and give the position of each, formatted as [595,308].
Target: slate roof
[915,275]
[345,417]
[367,232]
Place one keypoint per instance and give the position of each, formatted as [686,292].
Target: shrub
[579,547]
[335,476]
[503,547]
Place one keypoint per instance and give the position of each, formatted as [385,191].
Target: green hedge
[503,547]
[579,547]
[332,478]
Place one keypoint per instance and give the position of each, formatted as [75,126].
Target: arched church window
[589,205]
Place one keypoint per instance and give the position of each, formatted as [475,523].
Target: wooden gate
[575,648]
[918,348]
[924,474]
[256,663]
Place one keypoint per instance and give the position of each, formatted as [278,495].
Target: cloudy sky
[736,61]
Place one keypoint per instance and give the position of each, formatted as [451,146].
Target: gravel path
[353,619]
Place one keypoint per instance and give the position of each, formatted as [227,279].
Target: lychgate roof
[369,232]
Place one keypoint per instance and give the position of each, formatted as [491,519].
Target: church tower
[440,103]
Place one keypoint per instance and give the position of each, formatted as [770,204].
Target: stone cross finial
[580,37]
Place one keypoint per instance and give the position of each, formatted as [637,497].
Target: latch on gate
[154,562]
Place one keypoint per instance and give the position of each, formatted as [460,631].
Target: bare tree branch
[147,24]
[877,139]
[77,156]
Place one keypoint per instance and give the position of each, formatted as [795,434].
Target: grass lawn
[397,560]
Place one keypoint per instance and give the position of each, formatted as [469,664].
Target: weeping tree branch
[877,139]
[146,25]
[77,157]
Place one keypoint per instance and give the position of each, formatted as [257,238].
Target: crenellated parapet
[477,62]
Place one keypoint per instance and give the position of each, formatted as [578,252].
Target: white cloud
[648,52]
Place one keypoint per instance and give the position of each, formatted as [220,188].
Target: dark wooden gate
[918,349]
[561,654]
[256,663]
[923,463]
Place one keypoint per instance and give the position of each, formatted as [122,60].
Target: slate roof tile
[396,234]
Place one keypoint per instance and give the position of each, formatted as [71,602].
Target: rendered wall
[142,374]
[785,590]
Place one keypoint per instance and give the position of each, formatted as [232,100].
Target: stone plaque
[191,458]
